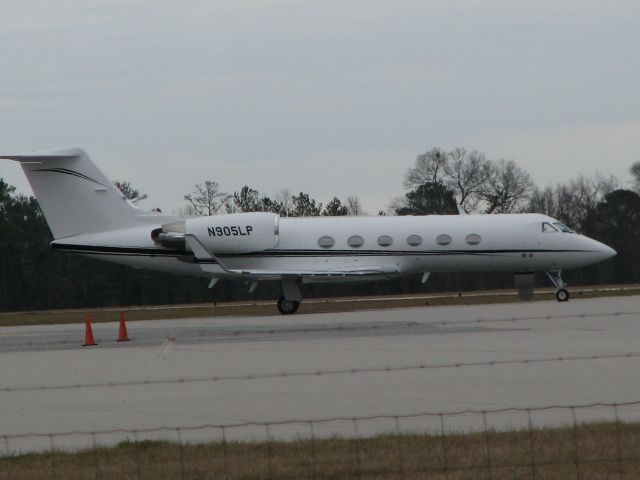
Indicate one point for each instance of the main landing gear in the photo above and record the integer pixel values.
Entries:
(562, 295)
(287, 307)
(291, 297)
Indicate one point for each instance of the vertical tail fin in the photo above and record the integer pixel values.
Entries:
(74, 195)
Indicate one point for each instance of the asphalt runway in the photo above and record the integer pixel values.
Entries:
(228, 370)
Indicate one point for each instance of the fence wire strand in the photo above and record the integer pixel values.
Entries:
(315, 373)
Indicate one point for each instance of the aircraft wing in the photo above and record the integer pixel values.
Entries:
(204, 256)
(337, 272)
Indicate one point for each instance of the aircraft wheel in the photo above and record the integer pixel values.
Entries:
(287, 307)
(562, 295)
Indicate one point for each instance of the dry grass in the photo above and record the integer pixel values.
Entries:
(161, 312)
(593, 451)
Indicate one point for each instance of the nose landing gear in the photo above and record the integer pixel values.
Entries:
(562, 294)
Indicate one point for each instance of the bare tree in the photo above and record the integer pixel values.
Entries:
(572, 201)
(466, 173)
(635, 175)
(581, 195)
(506, 187)
(206, 199)
(186, 211)
(557, 202)
(429, 168)
(479, 184)
(354, 207)
(544, 201)
(284, 200)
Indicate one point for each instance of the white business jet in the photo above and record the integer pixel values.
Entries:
(87, 214)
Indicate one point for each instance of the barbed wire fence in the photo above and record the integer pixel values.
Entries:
(600, 440)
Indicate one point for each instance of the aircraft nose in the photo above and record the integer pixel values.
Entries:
(604, 251)
(608, 251)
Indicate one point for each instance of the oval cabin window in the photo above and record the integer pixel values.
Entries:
(326, 242)
(414, 240)
(385, 240)
(443, 239)
(473, 239)
(355, 241)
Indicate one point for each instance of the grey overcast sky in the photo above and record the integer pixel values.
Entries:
(327, 97)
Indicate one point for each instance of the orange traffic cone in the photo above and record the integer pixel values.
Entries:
(88, 332)
(122, 333)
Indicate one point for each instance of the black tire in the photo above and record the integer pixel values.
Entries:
(562, 295)
(287, 307)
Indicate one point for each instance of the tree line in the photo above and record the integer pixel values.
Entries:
(32, 276)
(208, 199)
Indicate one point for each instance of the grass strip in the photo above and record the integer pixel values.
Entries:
(596, 450)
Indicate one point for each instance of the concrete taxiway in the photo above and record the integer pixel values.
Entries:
(216, 351)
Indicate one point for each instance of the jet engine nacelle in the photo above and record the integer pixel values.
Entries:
(236, 232)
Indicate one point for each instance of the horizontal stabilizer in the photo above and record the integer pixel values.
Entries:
(61, 154)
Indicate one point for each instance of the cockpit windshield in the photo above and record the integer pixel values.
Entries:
(555, 227)
(562, 227)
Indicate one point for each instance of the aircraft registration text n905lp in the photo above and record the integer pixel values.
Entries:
(229, 231)
(87, 214)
